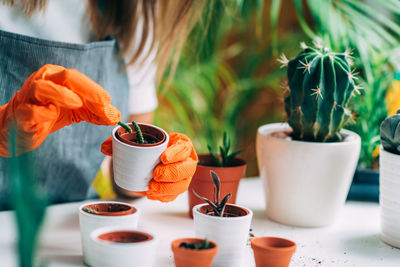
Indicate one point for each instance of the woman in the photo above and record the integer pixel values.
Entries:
(73, 62)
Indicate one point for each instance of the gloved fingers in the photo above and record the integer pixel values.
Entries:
(46, 92)
(178, 151)
(166, 192)
(175, 171)
(106, 147)
(36, 122)
(96, 100)
(180, 148)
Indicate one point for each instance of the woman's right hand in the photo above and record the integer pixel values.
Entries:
(51, 98)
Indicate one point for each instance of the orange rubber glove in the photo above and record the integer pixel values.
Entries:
(173, 175)
(51, 98)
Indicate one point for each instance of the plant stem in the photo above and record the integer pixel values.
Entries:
(138, 132)
(125, 126)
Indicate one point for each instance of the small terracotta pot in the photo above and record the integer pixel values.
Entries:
(185, 257)
(203, 185)
(125, 237)
(110, 209)
(272, 251)
(149, 132)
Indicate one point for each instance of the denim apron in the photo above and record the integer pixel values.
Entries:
(67, 161)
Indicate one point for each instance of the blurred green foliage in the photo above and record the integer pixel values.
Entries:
(228, 78)
(28, 201)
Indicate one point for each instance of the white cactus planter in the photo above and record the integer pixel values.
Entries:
(89, 222)
(389, 197)
(108, 253)
(230, 233)
(306, 183)
(133, 165)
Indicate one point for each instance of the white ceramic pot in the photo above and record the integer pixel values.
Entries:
(133, 165)
(306, 183)
(230, 233)
(89, 222)
(389, 197)
(109, 253)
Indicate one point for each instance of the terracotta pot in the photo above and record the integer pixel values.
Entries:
(185, 257)
(133, 164)
(125, 237)
(272, 251)
(203, 185)
(230, 233)
(122, 214)
(110, 209)
(149, 132)
(122, 247)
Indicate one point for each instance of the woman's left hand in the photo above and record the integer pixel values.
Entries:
(173, 175)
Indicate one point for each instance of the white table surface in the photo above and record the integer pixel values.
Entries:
(352, 241)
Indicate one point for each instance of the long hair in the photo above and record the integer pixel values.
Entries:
(165, 25)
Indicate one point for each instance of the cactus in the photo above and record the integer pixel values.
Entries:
(321, 83)
(138, 132)
(390, 133)
(125, 126)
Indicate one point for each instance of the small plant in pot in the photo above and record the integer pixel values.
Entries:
(93, 215)
(389, 179)
(193, 252)
(122, 247)
(226, 224)
(136, 152)
(307, 164)
(227, 165)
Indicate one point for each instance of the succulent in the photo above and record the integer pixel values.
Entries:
(225, 157)
(321, 83)
(199, 245)
(217, 206)
(138, 132)
(390, 133)
(125, 126)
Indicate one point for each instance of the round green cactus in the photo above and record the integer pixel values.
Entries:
(390, 133)
(321, 83)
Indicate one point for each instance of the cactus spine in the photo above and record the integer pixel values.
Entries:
(321, 83)
(390, 133)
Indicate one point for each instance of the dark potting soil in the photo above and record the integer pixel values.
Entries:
(194, 245)
(147, 140)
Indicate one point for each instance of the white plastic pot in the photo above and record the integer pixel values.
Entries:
(133, 165)
(306, 183)
(230, 233)
(89, 222)
(108, 253)
(389, 197)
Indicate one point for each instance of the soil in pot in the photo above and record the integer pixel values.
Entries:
(185, 256)
(109, 209)
(152, 136)
(272, 251)
(202, 183)
(125, 237)
(230, 211)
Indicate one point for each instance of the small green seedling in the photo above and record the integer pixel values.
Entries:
(217, 206)
(224, 158)
(199, 245)
(89, 210)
